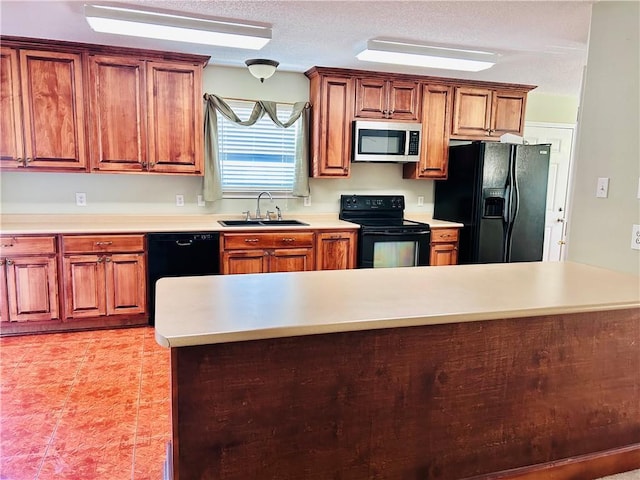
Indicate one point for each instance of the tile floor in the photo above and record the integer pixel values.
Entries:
(84, 405)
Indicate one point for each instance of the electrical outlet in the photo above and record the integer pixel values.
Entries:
(179, 200)
(81, 199)
(635, 237)
(420, 200)
(307, 201)
(602, 190)
(201, 202)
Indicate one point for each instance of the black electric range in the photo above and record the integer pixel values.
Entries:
(386, 238)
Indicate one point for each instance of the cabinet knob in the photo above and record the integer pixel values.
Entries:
(20, 160)
(108, 259)
(100, 259)
(286, 239)
(28, 160)
(10, 262)
(144, 164)
(152, 164)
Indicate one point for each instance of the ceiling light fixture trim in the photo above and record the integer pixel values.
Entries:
(429, 56)
(176, 27)
(262, 68)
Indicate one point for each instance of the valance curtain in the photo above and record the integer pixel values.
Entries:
(212, 170)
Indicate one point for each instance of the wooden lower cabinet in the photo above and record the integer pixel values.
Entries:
(28, 280)
(267, 252)
(336, 250)
(444, 246)
(104, 275)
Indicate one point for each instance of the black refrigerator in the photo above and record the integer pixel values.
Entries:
(499, 192)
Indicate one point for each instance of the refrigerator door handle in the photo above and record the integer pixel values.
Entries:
(513, 205)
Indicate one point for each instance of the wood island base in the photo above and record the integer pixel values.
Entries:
(445, 401)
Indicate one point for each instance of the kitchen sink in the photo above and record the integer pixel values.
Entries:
(260, 223)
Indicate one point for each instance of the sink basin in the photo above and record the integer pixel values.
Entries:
(260, 223)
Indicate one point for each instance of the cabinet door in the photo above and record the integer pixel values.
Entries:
(32, 288)
(444, 254)
(4, 306)
(471, 112)
(332, 98)
(53, 109)
(125, 284)
(176, 142)
(118, 114)
(436, 125)
(84, 286)
(336, 250)
(291, 260)
(11, 145)
(507, 113)
(245, 261)
(403, 100)
(371, 98)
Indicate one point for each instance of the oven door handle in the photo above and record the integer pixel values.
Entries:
(398, 234)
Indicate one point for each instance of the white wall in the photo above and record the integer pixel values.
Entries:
(608, 145)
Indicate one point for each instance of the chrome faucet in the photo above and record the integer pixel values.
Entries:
(258, 215)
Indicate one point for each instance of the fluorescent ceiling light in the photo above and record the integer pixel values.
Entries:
(405, 53)
(176, 27)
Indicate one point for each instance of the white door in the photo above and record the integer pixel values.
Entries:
(561, 137)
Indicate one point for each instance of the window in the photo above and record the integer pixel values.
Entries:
(258, 157)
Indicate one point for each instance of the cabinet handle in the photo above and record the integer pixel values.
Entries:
(108, 259)
(100, 260)
(335, 237)
(152, 164)
(100, 244)
(28, 160)
(288, 239)
(10, 262)
(144, 164)
(251, 240)
(20, 160)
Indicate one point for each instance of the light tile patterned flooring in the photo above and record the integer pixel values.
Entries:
(84, 405)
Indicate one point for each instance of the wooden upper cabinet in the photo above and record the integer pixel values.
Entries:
(118, 114)
(176, 139)
(45, 130)
(387, 99)
(436, 125)
(332, 99)
(487, 114)
(11, 144)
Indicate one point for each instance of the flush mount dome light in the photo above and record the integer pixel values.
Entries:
(430, 56)
(166, 25)
(262, 68)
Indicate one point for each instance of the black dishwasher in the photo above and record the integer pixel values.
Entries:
(182, 254)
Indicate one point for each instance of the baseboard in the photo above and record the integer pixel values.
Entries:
(584, 467)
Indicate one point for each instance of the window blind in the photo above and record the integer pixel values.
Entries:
(258, 157)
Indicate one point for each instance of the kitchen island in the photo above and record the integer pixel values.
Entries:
(413, 373)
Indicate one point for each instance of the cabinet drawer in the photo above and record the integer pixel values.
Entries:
(444, 235)
(243, 241)
(102, 243)
(19, 245)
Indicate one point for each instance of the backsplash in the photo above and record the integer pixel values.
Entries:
(155, 194)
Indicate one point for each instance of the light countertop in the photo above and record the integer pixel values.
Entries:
(72, 224)
(218, 309)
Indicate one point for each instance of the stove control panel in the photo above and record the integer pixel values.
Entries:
(371, 202)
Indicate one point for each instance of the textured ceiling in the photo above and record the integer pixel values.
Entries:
(541, 43)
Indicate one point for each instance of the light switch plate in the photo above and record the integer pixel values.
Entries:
(635, 237)
(179, 200)
(201, 202)
(420, 200)
(602, 190)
